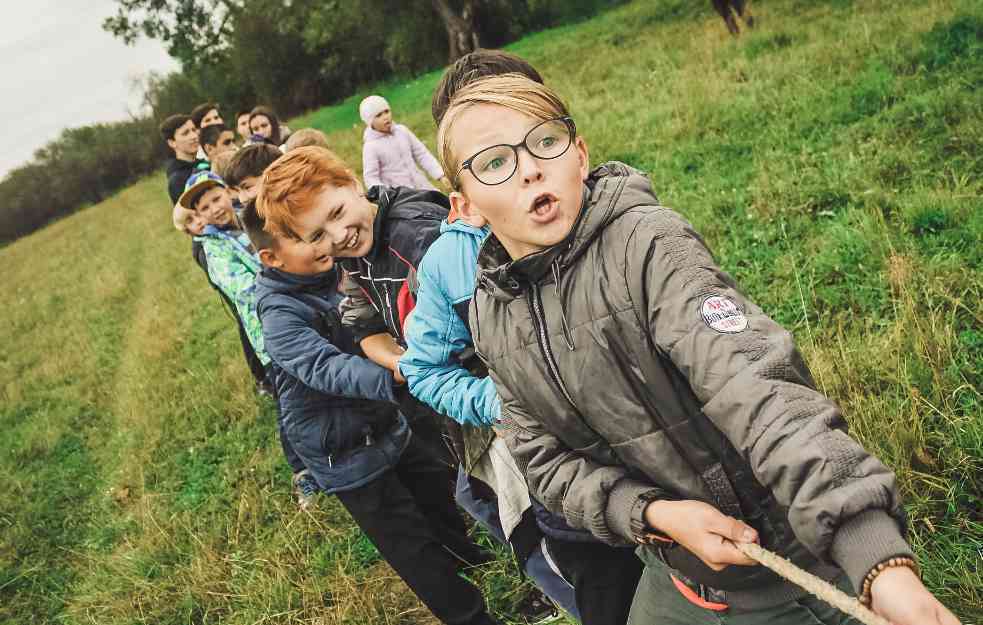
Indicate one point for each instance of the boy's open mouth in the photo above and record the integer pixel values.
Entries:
(545, 207)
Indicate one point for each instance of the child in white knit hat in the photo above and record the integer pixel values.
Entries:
(391, 153)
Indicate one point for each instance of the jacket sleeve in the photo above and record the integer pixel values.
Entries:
(234, 279)
(299, 350)
(434, 333)
(754, 385)
(602, 499)
(358, 313)
(371, 167)
(423, 157)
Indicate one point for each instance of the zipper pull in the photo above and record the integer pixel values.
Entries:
(330, 463)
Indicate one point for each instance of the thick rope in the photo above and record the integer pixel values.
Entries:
(818, 587)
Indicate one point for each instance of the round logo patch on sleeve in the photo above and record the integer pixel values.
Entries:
(723, 315)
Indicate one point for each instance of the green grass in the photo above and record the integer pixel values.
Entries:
(832, 159)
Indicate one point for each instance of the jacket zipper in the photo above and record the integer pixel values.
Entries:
(379, 295)
(539, 319)
(392, 316)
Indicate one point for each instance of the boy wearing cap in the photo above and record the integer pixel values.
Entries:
(232, 267)
(391, 154)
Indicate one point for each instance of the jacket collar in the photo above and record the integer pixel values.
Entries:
(277, 281)
(382, 197)
(371, 134)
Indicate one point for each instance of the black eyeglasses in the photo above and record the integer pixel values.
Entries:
(496, 164)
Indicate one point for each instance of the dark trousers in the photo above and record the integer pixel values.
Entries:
(604, 578)
(409, 515)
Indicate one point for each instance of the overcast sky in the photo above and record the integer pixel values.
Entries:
(60, 69)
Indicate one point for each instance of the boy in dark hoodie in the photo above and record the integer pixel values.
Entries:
(340, 411)
(181, 136)
(646, 398)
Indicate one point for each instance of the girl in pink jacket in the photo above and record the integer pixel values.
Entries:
(391, 153)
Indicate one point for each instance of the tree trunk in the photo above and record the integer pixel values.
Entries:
(462, 36)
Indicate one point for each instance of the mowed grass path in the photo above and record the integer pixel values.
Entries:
(832, 159)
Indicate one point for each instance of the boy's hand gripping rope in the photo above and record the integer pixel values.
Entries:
(818, 587)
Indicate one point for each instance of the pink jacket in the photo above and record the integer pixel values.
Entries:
(392, 159)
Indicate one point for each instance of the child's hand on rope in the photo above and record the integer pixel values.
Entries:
(702, 529)
(899, 596)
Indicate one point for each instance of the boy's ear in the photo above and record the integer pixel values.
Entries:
(171, 143)
(268, 258)
(466, 210)
(584, 155)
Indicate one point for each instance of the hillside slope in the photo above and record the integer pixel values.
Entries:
(833, 159)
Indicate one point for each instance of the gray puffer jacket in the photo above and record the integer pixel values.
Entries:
(628, 330)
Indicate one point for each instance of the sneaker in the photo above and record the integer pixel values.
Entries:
(537, 609)
(306, 488)
(265, 389)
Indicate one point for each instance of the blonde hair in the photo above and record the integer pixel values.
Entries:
(306, 137)
(220, 162)
(290, 185)
(181, 217)
(512, 91)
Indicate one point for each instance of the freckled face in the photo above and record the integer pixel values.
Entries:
(340, 222)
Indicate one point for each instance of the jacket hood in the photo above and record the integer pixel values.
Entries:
(459, 225)
(398, 203)
(610, 191)
(272, 280)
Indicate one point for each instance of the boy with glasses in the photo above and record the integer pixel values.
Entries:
(646, 398)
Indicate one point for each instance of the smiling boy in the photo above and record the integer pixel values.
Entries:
(646, 398)
(309, 211)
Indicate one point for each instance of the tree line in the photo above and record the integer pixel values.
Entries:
(291, 54)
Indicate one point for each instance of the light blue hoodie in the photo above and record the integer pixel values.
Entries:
(436, 332)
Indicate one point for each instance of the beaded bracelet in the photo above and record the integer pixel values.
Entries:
(877, 570)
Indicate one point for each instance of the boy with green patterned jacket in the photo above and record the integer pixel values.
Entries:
(232, 269)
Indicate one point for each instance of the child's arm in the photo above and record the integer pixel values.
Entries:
(434, 334)
(425, 159)
(755, 387)
(371, 166)
(609, 503)
(299, 350)
(383, 350)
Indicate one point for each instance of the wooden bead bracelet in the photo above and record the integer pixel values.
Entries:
(877, 570)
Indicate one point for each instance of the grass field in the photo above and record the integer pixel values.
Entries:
(833, 159)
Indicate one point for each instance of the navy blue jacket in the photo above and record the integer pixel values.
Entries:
(338, 409)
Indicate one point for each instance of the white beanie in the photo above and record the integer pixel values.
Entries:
(370, 107)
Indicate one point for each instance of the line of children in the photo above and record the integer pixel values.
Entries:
(645, 398)
(341, 411)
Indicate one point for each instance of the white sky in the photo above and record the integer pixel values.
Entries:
(59, 69)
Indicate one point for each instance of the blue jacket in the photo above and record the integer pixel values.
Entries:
(338, 409)
(436, 332)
